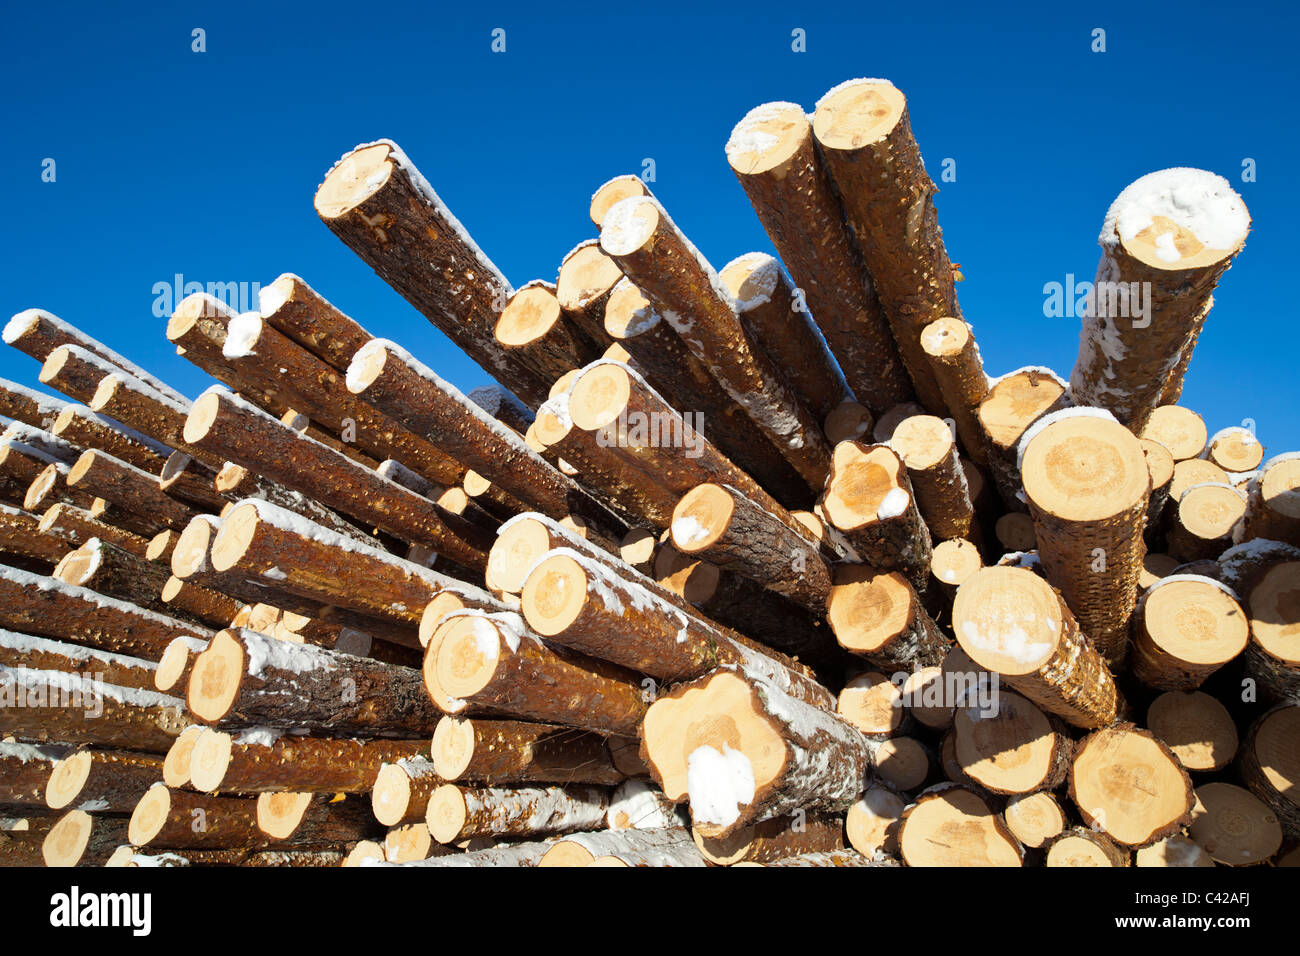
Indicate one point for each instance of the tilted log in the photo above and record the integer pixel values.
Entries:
(1167, 239)
(25, 771)
(41, 653)
(76, 373)
(147, 411)
(512, 751)
(535, 332)
(187, 599)
(172, 818)
(104, 567)
(239, 482)
(1015, 401)
(774, 839)
(80, 425)
(1271, 501)
(864, 133)
(402, 790)
(102, 781)
(655, 255)
(610, 192)
(80, 839)
(298, 311)
(586, 279)
(305, 818)
(1012, 622)
(1273, 655)
(503, 406)
(954, 358)
(70, 523)
(21, 534)
(379, 204)
(671, 847)
(128, 486)
(757, 754)
(29, 406)
(458, 812)
(928, 448)
(773, 154)
(245, 679)
(878, 615)
(1087, 485)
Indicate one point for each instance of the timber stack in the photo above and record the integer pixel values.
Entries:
(749, 566)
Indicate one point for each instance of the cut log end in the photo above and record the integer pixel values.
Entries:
(554, 595)
(528, 316)
(66, 842)
(614, 191)
(467, 657)
(280, 813)
(67, 779)
(954, 826)
(701, 517)
(354, 179)
(209, 759)
(447, 813)
(1008, 620)
(1082, 468)
(598, 396)
(858, 114)
(216, 678)
(149, 816)
(766, 138)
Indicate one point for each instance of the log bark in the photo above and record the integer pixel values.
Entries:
(503, 406)
(878, 615)
(774, 156)
(512, 752)
(1185, 628)
(379, 204)
(954, 360)
(302, 314)
(102, 781)
(1268, 767)
(81, 426)
(177, 819)
(76, 372)
(76, 525)
(29, 406)
(80, 839)
(928, 448)
(211, 608)
(1012, 622)
(25, 771)
(586, 279)
(1087, 485)
(774, 839)
(104, 567)
(245, 679)
(125, 485)
(306, 819)
(703, 736)
(460, 812)
(1162, 251)
(21, 535)
(23, 650)
(148, 412)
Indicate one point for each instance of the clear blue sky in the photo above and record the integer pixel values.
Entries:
(205, 164)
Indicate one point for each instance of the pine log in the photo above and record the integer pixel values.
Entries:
(952, 825)
(586, 279)
(1268, 766)
(503, 406)
(1087, 484)
(1166, 241)
(1016, 749)
(955, 363)
(1196, 727)
(80, 425)
(1012, 622)
(1185, 628)
(1233, 825)
(21, 534)
(1235, 449)
(511, 752)
(305, 818)
(491, 660)
(245, 679)
(637, 549)
(29, 406)
(128, 486)
(102, 781)
(1273, 501)
(719, 523)
(952, 562)
(1273, 655)
(1160, 466)
(50, 487)
(743, 751)
(928, 448)
(1015, 401)
(238, 482)
(80, 839)
(656, 256)
(113, 571)
(50, 705)
(402, 790)
(47, 607)
(871, 825)
(212, 608)
(176, 663)
(847, 421)
(773, 154)
(869, 497)
(1079, 846)
(1127, 783)
(76, 372)
(1173, 851)
(23, 650)
(878, 615)
(1034, 819)
(170, 818)
(774, 839)
(298, 311)
(379, 204)
(670, 847)
(535, 332)
(70, 523)
(147, 411)
(873, 704)
(1179, 429)
(25, 771)
(459, 812)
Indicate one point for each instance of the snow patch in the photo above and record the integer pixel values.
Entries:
(719, 784)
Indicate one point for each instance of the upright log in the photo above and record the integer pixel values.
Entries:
(954, 358)
(1015, 401)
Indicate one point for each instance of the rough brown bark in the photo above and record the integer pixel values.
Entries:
(102, 781)
(878, 615)
(460, 813)
(76, 525)
(23, 650)
(512, 751)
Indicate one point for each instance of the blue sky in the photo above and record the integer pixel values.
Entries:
(204, 164)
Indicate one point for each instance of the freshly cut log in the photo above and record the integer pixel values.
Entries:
(637, 804)
(869, 497)
(306, 818)
(635, 421)
(379, 204)
(402, 790)
(411, 842)
(778, 319)
(80, 425)
(106, 568)
(1154, 567)
(459, 812)
(176, 762)
(1196, 727)
(1127, 783)
(492, 661)
(38, 333)
(1087, 483)
(183, 476)
(29, 406)
(245, 679)
(582, 605)
(391, 379)
(1015, 401)
(1014, 750)
(21, 535)
(50, 705)
(1173, 851)
(491, 498)
(928, 697)
(512, 751)
(260, 540)
(298, 311)
(50, 486)
(261, 760)
(827, 859)
(873, 704)
(1012, 622)
(232, 428)
(1160, 466)
(236, 482)
(878, 615)
(1184, 629)
(620, 187)
(952, 825)
(1235, 449)
(170, 818)
(955, 363)
(1034, 818)
(1273, 501)
(33, 604)
(1079, 846)
(102, 781)
(952, 562)
(774, 156)
(1180, 430)
(1192, 472)
(1233, 825)
(586, 279)
(75, 372)
(70, 523)
(889, 420)
(461, 598)
(871, 825)
(660, 356)
(80, 839)
(1273, 655)
(147, 411)
(654, 254)
(39, 653)
(743, 751)
(25, 771)
(128, 486)
(1270, 767)
(928, 448)
(719, 523)
(903, 763)
(209, 607)
(637, 549)
(671, 847)
(173, 670)
(1170, 236)
(1203, 521)
(865, 136)
(847, 421)
(774, 839)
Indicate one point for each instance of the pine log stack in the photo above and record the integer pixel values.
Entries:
(750, 567)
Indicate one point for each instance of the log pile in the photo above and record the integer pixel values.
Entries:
(749, 566)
